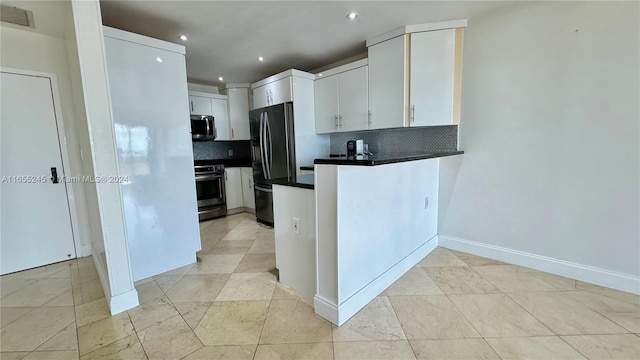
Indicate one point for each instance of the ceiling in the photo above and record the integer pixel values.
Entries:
(225, 38)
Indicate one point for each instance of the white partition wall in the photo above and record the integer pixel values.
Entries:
(148, 87)
(110, 250)
(374, 223)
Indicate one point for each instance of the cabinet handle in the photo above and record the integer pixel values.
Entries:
(225, 176)
(413, 113)
(191, 105)
(335, 120)
(369, 118)
(340, 121)
(232, 136)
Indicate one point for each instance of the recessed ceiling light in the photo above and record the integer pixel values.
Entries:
(320, 74)
(158, 59)
(184, 37)
(352, 16)
(220, 78)
(260, 58)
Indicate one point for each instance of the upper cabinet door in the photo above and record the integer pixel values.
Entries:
(239, 113)
(433, 57)
(199, 105)
(280, 91)
(326, 104)
(261, 97)
(354, 100)
(219, 112)
(387, 76)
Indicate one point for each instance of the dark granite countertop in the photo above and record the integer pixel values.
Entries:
(302, 181)
(373, 160)
(306, 167)
(229, 162)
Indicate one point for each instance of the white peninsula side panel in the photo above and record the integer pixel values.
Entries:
(148, 86)
(295, 245)
(374, 224)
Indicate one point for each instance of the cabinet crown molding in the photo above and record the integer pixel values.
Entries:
(408, 29)
(342, 68)
(206, 94)
(236, 86)
(282, 75)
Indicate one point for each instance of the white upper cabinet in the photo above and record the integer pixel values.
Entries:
(272, 93)
(199, 105)
(341, 99)
(354, 99)
(387, 90)
(280, 91)
(260, 97)
(432, 78)
(415, 75)
(327, 104)
(221, 119)
(238, 104)
(215, 105)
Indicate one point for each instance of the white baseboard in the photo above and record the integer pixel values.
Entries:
(590, 274)
(124, 301)
(325, 308)
(117, 303)
(339, 314)
(85, 250)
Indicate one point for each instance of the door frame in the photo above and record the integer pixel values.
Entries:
(62, 143)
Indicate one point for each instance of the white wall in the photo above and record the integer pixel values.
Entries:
(32, 51)
(111, 251)
(550, 127)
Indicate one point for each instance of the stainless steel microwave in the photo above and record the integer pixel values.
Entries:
(203, 127)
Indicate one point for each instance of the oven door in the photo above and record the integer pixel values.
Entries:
(210, 190)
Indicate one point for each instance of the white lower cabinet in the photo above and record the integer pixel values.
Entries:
(248, 194)
(233, 188)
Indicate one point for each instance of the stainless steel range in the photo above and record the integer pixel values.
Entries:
(211, 192)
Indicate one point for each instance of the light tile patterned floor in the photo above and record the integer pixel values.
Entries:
(229, 306)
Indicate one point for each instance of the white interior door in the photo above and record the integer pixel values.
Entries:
(34, 213)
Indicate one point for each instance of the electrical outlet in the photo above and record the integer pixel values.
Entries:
(426, 202)
(295, 225)
(230, 152)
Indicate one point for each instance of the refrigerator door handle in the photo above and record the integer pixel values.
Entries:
(262, 154)
(268, 131)
(260, 188)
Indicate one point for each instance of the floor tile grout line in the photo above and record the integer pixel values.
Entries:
(137, 336)
(528, 312)
(576, 349)
(264, 323)
(585, 305)
(600, 312)
(33, 308)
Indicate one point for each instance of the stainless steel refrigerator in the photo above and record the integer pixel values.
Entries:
(273, 153)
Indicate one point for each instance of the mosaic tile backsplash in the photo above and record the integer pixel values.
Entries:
(213, 150)
(416, 140)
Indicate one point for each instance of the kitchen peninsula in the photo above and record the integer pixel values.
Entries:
(364, 223)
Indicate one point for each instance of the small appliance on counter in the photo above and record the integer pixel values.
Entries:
(355, 147)
(203, 128)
